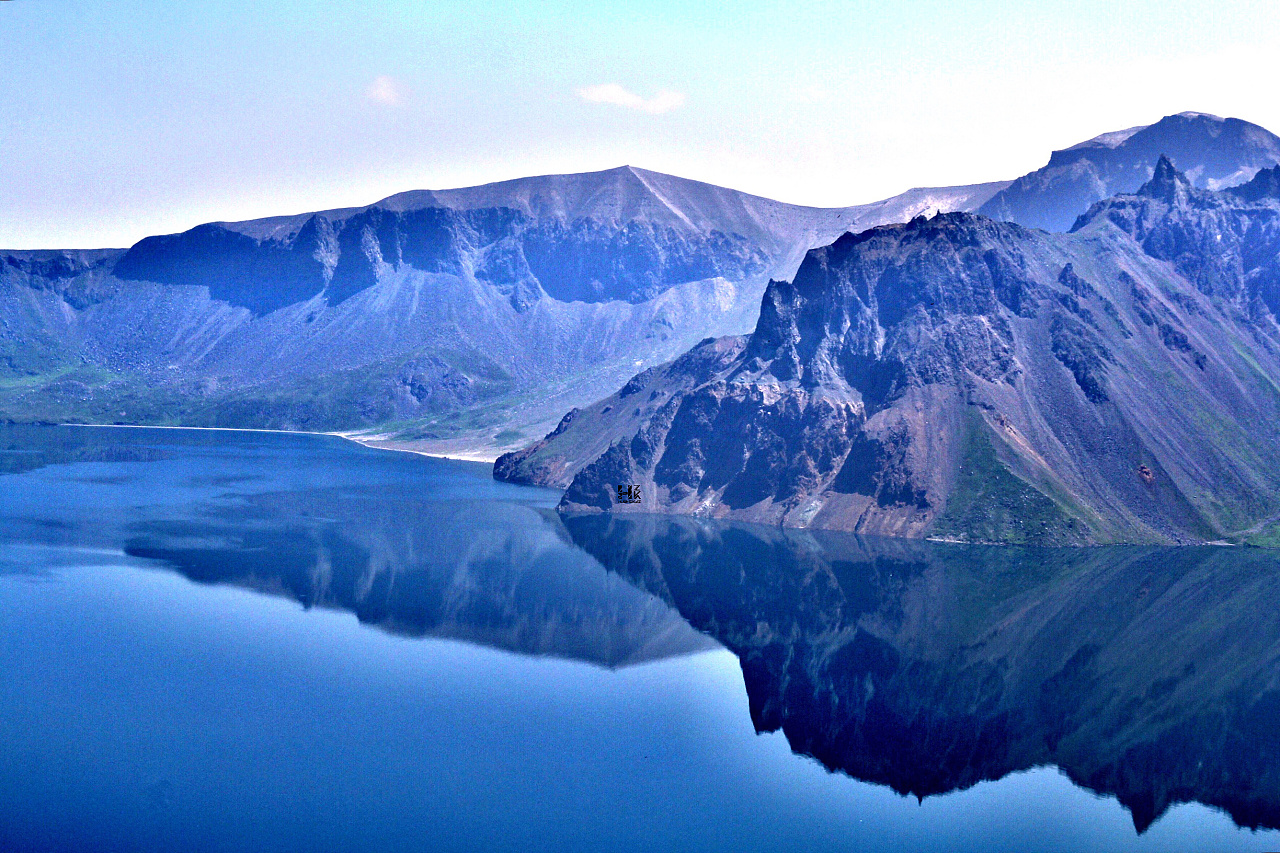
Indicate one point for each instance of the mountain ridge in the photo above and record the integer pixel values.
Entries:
(1224, 151)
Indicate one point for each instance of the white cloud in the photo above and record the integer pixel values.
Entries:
(387, 91)
(814, 94)
(612, 93)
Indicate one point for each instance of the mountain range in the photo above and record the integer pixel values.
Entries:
(459, 317)
(469, 320)
(974, 380)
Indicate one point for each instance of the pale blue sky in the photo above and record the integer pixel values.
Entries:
(133, 117)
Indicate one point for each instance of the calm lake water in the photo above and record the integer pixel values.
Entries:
(217, 641)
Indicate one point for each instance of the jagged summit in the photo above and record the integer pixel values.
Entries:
(1167, 183)
(1226, 244)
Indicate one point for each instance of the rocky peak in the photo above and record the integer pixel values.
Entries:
(1167, 184)
(1227, 244)
(867, 312)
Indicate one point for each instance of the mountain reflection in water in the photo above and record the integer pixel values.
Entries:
(1149, 674)
(415, 546)
(490, 573)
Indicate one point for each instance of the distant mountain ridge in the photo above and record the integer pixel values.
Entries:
(622, 234)
(968, 379)
(1213, 152)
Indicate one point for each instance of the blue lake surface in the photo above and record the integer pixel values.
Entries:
(221, 641)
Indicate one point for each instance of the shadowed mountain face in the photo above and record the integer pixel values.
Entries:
(1147, 674)
(587, 259)
(1214, 153)
(976, 380)
(622, 235)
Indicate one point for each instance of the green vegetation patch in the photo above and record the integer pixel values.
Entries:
(31, 364)
(991, 504)
(1267, 536)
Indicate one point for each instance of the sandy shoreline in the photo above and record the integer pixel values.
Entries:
(383, 444)
(370, 442)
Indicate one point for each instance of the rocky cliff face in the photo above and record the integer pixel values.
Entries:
(962, 378)
(1142, 673)
(1214, 153)
(588, 259)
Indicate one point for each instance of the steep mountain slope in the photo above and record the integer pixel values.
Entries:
(469, 317)
(976, 380)
(1143, 673)
(1213, 152)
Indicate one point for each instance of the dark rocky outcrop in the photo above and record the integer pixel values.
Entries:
(964, 378)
